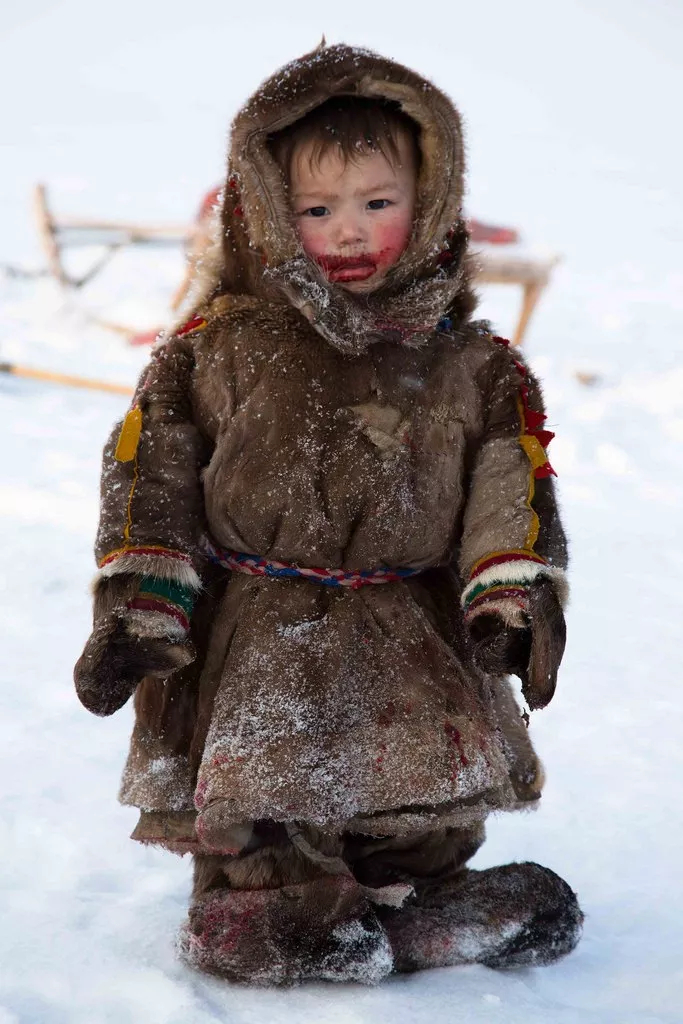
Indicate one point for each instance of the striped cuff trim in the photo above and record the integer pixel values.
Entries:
(146, 622)
(169, 592)
(504, 574)
(150, 604)
(510, 603)
(151, 561)
(515, 571)
(159, 600)
(497, 593)
(503, 557)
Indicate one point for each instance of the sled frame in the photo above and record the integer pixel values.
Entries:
(531, 273)
(56, 235)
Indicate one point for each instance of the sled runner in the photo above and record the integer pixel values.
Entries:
(66, 379)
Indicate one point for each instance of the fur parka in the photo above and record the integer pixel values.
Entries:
(296, 422)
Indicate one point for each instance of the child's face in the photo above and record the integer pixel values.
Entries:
(355, 218)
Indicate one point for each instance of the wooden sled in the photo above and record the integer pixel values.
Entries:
(66, 379)
(58, 234)
(532, 273)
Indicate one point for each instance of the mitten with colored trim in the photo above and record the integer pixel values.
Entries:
(136, 633)
(522, 633)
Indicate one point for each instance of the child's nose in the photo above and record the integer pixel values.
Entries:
(350, 231)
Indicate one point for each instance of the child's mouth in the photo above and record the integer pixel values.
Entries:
(342, 269)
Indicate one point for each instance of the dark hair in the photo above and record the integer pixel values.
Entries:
(354, 125)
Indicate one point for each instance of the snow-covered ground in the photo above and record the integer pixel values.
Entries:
(573, 135)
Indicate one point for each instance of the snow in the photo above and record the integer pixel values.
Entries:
(572, 135)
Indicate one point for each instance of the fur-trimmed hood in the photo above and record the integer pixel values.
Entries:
(257, 251)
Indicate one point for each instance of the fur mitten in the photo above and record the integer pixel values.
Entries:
(524, 635)
(128, 643)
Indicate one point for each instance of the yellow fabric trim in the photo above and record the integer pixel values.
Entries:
(129, 506)
(529, 445)
(534, 450)
(127, 451)
(535, 524)
(129, 438)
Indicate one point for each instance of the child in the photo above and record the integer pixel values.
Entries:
(328, 533)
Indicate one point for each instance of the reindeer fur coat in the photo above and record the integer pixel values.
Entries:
(297, 422)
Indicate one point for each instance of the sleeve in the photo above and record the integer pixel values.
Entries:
(512, 534)
(152, 508)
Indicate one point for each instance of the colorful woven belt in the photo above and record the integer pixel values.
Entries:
(252, 565)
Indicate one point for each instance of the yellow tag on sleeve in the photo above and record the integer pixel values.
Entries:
(129, 438)
(534, 450)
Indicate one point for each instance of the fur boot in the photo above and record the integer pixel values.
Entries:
(320, 930)
(518, 915)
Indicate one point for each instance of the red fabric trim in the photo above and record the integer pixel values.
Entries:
(510, 556)
(151, 604)
(544, 436)
(192, 325)
(534, 420)
(142, 550)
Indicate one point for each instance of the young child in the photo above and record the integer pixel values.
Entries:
(328, 533)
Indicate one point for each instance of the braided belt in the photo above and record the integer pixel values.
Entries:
(252, 565)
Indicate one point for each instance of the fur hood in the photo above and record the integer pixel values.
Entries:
(258, 253)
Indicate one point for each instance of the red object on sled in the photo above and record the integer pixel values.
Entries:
(207, 204)
(491, 233)
(145, 337)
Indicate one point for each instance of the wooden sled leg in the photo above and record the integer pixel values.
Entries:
(182, 290)
(531, 295)
(48, 235)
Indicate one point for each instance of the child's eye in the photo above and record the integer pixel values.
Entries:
(378, 204)
(315, 211)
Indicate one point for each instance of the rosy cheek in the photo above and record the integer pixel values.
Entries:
(391, 240)
(312, 236)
